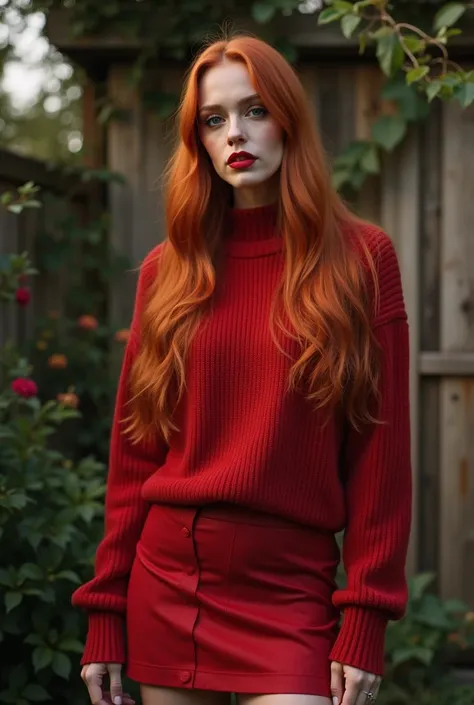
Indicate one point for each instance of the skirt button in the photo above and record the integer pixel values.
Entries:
(185, 677)
(185, 531)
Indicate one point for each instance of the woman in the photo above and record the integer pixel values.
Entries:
(239, 447)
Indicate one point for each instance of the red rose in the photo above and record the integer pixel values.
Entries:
(22, 296)
(24, 387)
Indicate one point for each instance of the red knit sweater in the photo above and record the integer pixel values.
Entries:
(244, 440)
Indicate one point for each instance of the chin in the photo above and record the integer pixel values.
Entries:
(241, 180)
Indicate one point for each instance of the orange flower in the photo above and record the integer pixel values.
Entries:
(68, 399)
(57, 361)
(53, 314)
(122, 336)
(41, 345)
(88, 322)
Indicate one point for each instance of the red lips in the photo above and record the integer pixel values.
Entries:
(240, 156)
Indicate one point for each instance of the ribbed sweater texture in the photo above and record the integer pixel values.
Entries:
(246, 440)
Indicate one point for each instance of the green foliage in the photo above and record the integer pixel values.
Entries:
(418, 70)
(51, 511)
(73, 344)
(421, 648)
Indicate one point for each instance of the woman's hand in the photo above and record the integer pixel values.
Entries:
(93, 676)
(351, 685)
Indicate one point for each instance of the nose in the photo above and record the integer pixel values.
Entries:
(235, 134)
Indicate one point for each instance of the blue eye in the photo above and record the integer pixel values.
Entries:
(258, 112)
(210, 123)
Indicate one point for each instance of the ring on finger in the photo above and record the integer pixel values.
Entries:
(369, 695)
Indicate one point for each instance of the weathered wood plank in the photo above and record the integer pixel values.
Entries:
(446, 364)
(457, 334)
(125, 147)
(400, 218)
(430, 238)
(334, 99)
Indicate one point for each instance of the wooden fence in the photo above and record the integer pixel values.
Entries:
(18, 233)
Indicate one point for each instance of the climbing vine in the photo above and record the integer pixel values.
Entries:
(417, 67)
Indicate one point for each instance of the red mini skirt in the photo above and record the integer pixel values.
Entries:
(228, 599)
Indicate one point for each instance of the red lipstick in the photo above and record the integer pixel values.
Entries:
(241, 160)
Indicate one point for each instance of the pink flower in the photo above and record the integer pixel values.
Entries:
(24, 387)
(22, 296)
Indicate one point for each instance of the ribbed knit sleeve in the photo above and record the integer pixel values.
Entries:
(378, 491)
(104, 597)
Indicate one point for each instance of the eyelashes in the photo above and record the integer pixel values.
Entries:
(257, 112)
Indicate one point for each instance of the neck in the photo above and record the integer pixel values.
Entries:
(253, 231)
(257, 196)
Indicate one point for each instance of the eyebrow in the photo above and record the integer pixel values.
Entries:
(248, 99)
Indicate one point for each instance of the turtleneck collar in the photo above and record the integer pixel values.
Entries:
(252, 232)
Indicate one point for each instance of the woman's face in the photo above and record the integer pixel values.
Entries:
(243, 141)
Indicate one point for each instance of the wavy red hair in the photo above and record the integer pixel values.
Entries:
(324, 287)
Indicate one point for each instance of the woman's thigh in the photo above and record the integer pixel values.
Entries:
(283, 699)
(150, 695)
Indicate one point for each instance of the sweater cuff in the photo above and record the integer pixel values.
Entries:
(361, 640)
(105, 641)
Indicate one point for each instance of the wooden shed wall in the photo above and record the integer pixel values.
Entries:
(424, 199)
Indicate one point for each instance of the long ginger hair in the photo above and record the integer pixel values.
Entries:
(324, 288)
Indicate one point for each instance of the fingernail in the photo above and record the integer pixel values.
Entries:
(335, 701)
(118, 700)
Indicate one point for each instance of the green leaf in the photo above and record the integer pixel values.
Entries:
(411, 103)
(69, 575)
(419, 584)
(61, 665)
(390, 53)
(417, 74)
(71, 645)
(455, 606)
(340, 177)
(6, 578)
(370, 162)
(329, 15)
(31, 571)
(12, 600)
(414, 44)
(431, 613)
(349, 24)
(433, 90)
(342, 6)
(34, 639)
(36, 693)
(409, 653)
(351, 154)
(263, 12)
(449, 14)
(465, 94)
(42, 657)
(388, 131)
